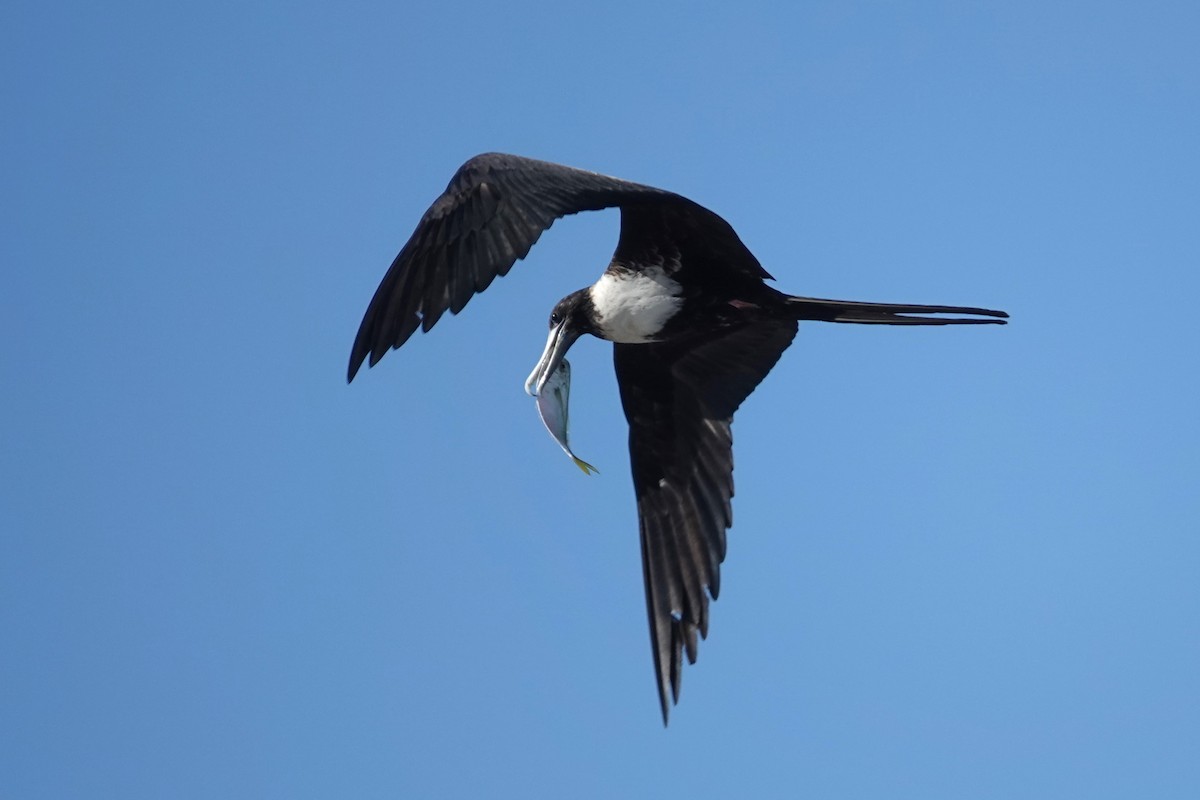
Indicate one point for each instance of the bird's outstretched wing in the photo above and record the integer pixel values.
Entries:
(679, 399)
(492, 212)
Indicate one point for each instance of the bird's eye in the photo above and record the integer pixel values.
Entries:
(555, 318)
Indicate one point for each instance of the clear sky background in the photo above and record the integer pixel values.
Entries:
(964, 562)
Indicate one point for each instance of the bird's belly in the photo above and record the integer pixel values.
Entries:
(634, 307)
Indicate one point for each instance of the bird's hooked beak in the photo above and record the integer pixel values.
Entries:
(562, 336)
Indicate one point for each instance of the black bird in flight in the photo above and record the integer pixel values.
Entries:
(694, 330)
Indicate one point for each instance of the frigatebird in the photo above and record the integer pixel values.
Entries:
(694, 327)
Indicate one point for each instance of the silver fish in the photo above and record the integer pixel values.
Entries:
(552, 408)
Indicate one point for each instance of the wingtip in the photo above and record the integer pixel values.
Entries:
(352, 369)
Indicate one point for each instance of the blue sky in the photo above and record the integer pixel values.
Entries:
(964, 561)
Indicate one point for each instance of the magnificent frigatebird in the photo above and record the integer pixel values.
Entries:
(694, 330)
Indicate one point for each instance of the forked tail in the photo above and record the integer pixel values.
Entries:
(816, 308)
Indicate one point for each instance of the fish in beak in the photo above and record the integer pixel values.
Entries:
(552, 399)
(562, 336)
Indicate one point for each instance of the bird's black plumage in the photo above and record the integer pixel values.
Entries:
(679, 398)
(492, 212)
(713, 331)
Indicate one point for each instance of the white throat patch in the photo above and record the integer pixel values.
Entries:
(633, 307)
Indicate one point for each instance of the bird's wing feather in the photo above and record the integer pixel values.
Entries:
(679, 399)
(688, 235)
(492, 212)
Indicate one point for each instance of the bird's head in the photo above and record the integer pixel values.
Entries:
(571, 318)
